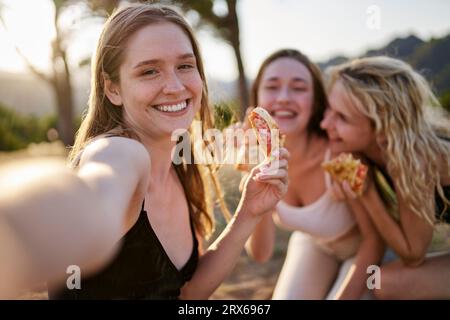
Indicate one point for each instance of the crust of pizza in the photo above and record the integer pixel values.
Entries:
(346, 168)
(263, 126)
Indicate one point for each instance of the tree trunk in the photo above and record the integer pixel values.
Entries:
(64, 101)
(62, 87)
(234, 40)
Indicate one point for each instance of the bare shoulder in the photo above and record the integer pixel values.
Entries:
(116, 167)
(116, 150)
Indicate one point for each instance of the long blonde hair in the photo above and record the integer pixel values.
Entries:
(397, 100)
(103, 117)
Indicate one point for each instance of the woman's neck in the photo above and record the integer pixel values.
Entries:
(375, 154)
(302, 145)
(161, 160)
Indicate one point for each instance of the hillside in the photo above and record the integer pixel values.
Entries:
(431, 58)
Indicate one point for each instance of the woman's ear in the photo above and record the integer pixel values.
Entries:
(381, 140)
(112, 91)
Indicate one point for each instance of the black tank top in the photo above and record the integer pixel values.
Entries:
(443, 210)
(141, 270)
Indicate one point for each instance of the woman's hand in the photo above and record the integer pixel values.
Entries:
(342, 191)
(266, 184)
(241, 146)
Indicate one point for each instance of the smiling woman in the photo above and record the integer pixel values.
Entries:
(147, 82)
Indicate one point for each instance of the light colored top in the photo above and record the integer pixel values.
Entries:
(326, 220)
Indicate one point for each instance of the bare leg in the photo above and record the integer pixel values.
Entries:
(308, 272)
(431, 280)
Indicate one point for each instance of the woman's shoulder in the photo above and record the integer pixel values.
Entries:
(115, 148)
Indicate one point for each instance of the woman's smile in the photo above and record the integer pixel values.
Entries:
(174, 108)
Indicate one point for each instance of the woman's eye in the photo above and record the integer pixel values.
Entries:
(271, 87)
(150, 72)
(186, 66)
(299, 89)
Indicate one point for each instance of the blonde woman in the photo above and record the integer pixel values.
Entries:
(147, 82)
(378, 109)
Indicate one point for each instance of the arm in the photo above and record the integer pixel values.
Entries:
(261, 193)
(261, 242)
(409, 238)
(56, 217)
(370, 252)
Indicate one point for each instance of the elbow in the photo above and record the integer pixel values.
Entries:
(414, 257)
(258, 253)
(261, 256)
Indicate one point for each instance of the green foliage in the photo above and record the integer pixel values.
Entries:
(225, 114)
(17, 131)
(445, 100)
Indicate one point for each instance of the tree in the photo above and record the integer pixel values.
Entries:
(58, 77)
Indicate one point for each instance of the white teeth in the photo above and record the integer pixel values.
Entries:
(284, 113)
(172, 108)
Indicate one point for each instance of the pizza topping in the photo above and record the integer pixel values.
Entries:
(346, 168)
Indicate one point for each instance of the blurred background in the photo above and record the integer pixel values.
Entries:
(46, 47)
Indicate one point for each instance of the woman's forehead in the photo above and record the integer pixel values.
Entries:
(159, 41)
(342, 100)
(286, 68)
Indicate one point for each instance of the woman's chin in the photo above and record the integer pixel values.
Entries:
(337, 146)
(290, 130)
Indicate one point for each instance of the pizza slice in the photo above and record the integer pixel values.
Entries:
(346, 168)
(265, 129)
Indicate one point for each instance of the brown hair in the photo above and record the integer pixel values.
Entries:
(103, 117)
(320, 102)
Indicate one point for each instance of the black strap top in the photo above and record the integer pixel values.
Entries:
(443, 211)
(141, 270)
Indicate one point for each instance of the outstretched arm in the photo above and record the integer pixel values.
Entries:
(56, 217)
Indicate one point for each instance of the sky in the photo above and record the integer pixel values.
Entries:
(319, 28)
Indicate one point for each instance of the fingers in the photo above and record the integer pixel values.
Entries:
(273, 166)
(342, 191)
(283, 153)
(280, 174)
(337, 193)
(275, 157)
(278, 161)
(281, 185)
(350, 194)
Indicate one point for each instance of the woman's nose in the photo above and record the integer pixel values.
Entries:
(283, 95)
(325, 123)
(173, 84)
